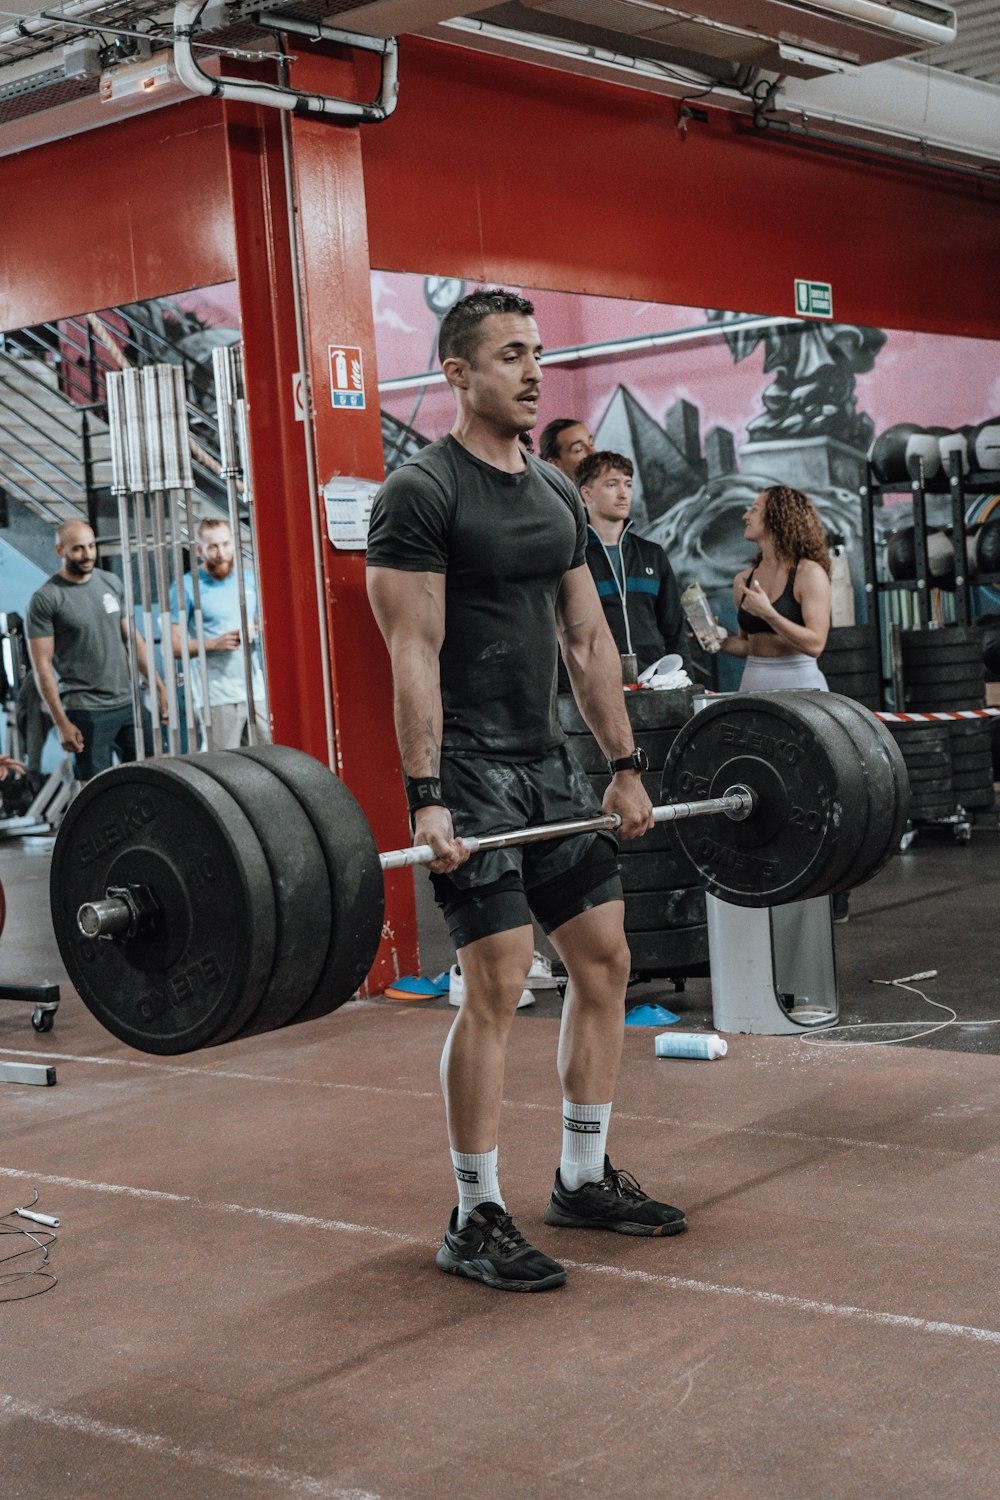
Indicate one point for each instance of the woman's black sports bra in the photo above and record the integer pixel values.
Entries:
(786, 604)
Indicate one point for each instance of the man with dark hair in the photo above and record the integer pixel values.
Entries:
(476, 575)
(634, 578)
(563, 443)
(77, 637)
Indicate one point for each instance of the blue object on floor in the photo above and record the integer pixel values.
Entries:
(442, 981)
(413, 985)
(650, 1015)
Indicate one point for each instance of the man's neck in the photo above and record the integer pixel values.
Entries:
(75, 577)
(610, 532)
(501, 450)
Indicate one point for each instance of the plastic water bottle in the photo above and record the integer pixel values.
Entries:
(694, 602)
(841, 588)
(690, 1044)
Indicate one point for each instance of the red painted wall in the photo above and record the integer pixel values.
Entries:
(117, 215)
(497, 170)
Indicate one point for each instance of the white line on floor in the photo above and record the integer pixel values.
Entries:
(152, 1442)
(712, 1127)
(647, 1278)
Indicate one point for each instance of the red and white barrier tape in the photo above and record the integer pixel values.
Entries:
(958, 713)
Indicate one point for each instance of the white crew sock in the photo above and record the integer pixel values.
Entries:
(585, 1135)
(477, 1182)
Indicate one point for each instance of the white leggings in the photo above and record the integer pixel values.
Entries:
(781, 674)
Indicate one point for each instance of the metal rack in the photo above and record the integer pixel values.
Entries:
(958, 486)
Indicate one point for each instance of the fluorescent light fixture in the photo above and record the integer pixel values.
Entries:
(822, 62)
(148, 76)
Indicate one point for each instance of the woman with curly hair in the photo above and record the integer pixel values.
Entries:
(783, 599)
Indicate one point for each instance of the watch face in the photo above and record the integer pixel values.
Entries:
(641, 760)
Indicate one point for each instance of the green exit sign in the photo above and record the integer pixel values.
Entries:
(813, 299)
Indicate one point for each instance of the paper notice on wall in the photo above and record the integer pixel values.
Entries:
(348, 504)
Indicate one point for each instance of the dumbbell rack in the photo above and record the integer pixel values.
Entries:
(959, 486)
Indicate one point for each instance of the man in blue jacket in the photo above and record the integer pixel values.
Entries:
(635, 581)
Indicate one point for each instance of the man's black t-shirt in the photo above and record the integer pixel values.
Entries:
(505, 542)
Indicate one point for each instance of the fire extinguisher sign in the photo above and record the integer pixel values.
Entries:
(347, 376)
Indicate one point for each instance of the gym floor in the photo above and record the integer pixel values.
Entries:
(247, 1302)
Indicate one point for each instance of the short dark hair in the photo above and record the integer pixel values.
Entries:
(460, 334)
(595, 464)
(548, 442)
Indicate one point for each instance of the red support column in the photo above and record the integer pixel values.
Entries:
(334, 260)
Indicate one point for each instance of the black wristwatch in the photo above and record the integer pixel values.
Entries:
(637, 761)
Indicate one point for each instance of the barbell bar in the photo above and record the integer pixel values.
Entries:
(123, 911)
(203, 898)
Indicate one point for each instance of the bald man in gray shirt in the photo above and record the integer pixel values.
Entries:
(77, 637)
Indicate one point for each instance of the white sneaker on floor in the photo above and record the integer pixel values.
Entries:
(456, 990)
(540, 974)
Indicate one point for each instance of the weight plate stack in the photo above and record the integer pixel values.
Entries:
(943, 668)
(830, 800)
(851, 665)
(255, 888)
(664, 906)
(926, 754)
(198, 975)
(972, 763)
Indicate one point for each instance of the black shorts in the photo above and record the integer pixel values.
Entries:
(554, 879)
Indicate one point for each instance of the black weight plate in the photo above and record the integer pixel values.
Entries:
(918, 736)
(932, 812)
(647, 911)
(355, 874)
(852, 684)
(939, 675)
(924, 760)
(888, 787)
(968, 774)
(972, 765)
(655, 742)
(808, 783)
(976, 800)
(939, 696)
(647, 709)
(930, 791)
(657, 870)
(955, 705)
(298, 876)
(941, 637)
(959, 729)
(673, 952)
(948, 658)
(850, 638)
(197, 979)
(928, 773)
(841, 662)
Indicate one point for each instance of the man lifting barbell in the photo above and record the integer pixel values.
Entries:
(476, 574)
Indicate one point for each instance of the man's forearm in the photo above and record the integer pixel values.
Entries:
(417, 711)
(595, 674)
(46, 681)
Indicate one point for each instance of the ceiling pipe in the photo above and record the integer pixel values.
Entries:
(275, 96)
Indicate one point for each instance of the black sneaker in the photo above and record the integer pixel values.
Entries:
(616, 1202)
(493, 1250)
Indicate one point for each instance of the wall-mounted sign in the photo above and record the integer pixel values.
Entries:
(298, 397)
(813, 299)
(348, 503)
(347, 376)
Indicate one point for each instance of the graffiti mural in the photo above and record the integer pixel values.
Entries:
(710, 405)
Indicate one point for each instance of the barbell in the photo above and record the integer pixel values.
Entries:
(198, 899)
